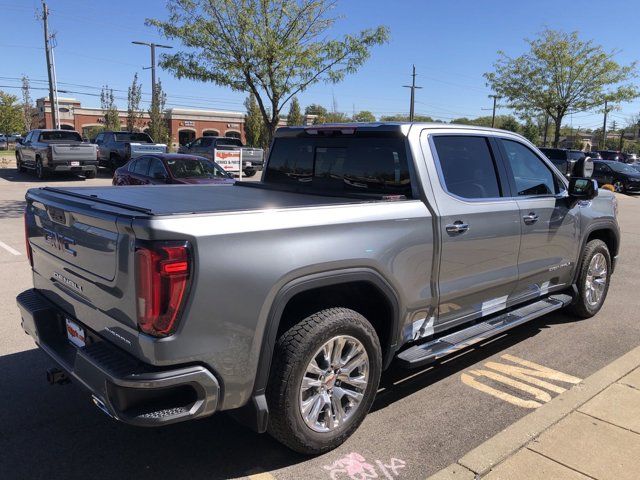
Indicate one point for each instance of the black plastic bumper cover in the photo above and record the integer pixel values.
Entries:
(122, 386)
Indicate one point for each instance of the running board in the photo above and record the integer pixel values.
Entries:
(425, 353)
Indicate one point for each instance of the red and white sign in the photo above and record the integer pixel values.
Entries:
(230, 160)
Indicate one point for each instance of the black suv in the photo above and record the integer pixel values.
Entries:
(623, 177)
(569, 162)
(612, 155)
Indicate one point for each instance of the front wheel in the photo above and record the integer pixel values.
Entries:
(323, 380)
(593, 279)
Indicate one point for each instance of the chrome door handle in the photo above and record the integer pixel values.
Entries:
(530, 219)
(457, 227)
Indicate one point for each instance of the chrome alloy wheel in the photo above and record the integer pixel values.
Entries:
(596, 280)
(618, 186)
(334, 383)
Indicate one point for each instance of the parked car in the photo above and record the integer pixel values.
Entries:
(252, 158)
(594, 155)
(170, 168)
(612, 155)
(117, 148)
(4, 143)
(52, 151)
(631, 157)
(622, 176)
(152, 298)
(636, 166)
(570, 162)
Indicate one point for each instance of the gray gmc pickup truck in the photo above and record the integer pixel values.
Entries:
(284, 300)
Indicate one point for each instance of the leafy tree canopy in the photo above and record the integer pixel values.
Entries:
(11, 118)
(271, 48)
(559, 75)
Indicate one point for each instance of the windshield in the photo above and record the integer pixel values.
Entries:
(132, 137)
(62, 135)
(195, 168)
(622, 168)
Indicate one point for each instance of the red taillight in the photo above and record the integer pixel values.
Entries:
(162, 277)
(26, 238)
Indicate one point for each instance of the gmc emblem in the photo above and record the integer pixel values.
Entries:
(59, 241)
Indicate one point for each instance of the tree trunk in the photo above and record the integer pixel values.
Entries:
(556, 135)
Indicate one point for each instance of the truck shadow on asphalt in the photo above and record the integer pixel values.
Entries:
(13, 175)
(55, 432)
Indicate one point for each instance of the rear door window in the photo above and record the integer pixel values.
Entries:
(467, 166)
(350, 165)
(156, 167)
(142, 166)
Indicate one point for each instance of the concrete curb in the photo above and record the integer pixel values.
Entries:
(486, 456)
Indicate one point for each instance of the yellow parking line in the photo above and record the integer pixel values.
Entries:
(262, 476)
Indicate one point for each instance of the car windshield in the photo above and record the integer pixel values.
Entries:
(133, 137)
(622, 167)
(195, 168)
(60, 136)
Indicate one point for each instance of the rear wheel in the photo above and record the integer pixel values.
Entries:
(249, 173)
(618, 186)
(113, 162)
(593, 279)
(90, 174)
(19, 165)
(323, 380)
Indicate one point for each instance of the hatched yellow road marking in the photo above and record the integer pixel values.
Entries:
(524, 371)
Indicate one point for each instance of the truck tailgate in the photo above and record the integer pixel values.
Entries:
(73, 152)
(138, 149)
(82, 259)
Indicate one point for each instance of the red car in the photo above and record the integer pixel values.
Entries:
(170, 168)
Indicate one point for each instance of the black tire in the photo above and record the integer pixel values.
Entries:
(90, 174)
(294, 350)
(619, 186)
(581, 307)
(113, 162)
(249, 173)
(41, 173)
(21, 168)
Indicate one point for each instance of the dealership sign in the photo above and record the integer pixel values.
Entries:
(230, 160)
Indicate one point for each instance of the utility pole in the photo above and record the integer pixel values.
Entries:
(546, 128)
(153, 47)
(413, 94)
(493, 115)
(604, 126)
(53, 98)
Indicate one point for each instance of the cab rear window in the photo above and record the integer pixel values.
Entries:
(351, 165)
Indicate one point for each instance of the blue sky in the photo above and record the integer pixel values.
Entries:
(452, 43)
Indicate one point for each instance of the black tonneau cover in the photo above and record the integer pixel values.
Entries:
(185, 199)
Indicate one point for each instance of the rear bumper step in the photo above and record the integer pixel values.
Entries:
(426, 353)
(121, 386)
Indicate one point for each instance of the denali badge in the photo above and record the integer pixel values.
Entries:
(67, 282)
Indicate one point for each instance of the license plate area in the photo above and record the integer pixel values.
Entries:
(75, 333)
(75, 164)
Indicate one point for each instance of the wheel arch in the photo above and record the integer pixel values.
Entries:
(608, 232)
(290, 303)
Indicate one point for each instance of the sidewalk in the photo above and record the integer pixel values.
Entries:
(590, 431)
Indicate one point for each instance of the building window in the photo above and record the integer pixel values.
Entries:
(210, 133)
(232, 134)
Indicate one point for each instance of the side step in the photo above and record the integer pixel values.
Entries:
(425, 353)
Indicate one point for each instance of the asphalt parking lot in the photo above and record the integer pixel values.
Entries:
(421, 420)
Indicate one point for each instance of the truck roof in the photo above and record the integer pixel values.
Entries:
(383, 128)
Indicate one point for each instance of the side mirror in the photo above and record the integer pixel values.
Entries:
(583, 188)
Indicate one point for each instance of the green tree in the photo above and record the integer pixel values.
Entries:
(364, 116)
(274, 49)
(318, 111)
(530, 131)
(253, 123)
(158, 128)
(561, 74)
(109, 109)
(134, 96)
(405, 118)
(294, 117)
(509, 123)
(334, 117)
(11, 119)
(29, 112)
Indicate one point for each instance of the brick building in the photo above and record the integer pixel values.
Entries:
(184, 124)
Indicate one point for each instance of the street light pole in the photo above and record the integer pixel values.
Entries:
(153, 47)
